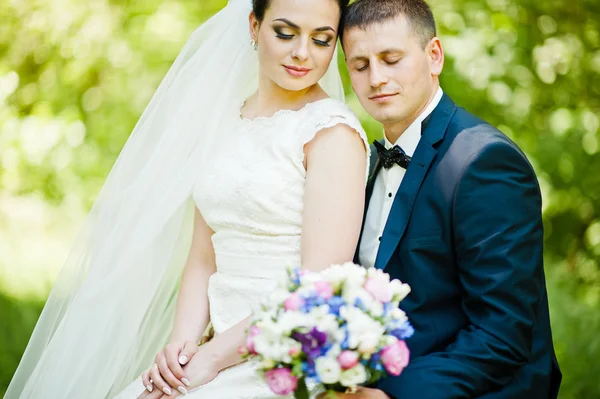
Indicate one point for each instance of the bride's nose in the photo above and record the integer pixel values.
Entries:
(300, 51)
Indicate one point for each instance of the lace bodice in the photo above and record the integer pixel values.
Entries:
(252, 198)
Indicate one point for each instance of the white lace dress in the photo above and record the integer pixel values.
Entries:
(253, 200)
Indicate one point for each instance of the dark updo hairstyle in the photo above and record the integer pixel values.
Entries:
(259, 7)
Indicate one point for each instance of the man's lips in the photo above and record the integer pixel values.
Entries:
(382, 97)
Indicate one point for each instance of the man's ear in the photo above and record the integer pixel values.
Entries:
(435, 52)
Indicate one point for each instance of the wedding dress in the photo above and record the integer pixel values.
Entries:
(252, 198)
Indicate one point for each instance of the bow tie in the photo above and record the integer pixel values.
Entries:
(394, 155)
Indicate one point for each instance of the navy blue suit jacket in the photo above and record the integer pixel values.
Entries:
(465, 231)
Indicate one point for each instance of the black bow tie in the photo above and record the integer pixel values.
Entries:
(394, 155)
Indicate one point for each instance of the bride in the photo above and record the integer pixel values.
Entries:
(245, 162)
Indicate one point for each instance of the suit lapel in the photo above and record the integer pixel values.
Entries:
(374, 167)
(411, 183)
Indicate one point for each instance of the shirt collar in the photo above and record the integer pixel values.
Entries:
(409, 140)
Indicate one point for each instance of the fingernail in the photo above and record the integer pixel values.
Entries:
(149, 388)
(183, 359)
(182, 390)
(167, 390)
(186, 381)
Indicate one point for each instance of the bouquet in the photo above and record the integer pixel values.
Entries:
(332, 330)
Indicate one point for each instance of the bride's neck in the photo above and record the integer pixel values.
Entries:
(271, 98)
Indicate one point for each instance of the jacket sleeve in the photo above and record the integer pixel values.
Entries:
(498, 241)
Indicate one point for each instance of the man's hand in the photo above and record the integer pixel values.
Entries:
(361, 393)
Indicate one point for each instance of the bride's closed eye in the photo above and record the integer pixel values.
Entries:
(325, 42)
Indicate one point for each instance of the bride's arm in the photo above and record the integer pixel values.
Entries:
(191, 313)
(333, 209)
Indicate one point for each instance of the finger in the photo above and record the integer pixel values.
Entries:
(177, 371)
(146, 381)
(169, 377)
(188, 351)
(156, 395)
(159, 382)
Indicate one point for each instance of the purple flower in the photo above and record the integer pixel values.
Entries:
(281, 381)
(312, 342)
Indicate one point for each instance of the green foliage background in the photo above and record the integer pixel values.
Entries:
(75, 76)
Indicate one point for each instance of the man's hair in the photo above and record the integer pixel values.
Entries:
(365, 13)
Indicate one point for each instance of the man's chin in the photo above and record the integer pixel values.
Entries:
(385, 116)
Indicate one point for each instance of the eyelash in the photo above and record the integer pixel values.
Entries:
(289, 37)
(387, 62)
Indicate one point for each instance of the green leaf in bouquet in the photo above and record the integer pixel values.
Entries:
(297, 369)
(301, 391)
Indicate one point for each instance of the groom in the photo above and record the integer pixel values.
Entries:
(454, 210)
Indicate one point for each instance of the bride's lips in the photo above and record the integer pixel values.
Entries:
(380, 98)
(295, 71)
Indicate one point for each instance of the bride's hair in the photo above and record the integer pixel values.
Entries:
(259, 7)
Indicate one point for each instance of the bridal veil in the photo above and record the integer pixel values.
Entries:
(111, 308)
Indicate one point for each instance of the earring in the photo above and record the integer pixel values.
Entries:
(254, 44)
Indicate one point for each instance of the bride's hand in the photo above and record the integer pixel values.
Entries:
(201, 370)
(167, 373)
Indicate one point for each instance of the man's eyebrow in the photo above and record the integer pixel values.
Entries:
(358, 58)
(384, 52)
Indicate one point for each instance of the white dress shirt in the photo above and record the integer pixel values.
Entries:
(386, 185)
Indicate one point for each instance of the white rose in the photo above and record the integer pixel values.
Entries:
(398, 314)
(363, 328)
(328, 369)
(355, 276)
(291, 320)
(277, 297)
(355, 376)
(335, 274)
(376, 308)
(277, 350)
(399, 290)
(369, 343)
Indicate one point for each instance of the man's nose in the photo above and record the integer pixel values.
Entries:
(376, 76)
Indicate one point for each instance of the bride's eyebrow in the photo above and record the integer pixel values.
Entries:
(294, 26)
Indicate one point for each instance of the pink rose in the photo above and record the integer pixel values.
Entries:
(348, 359)
(293, 302)
(395, 357)
(254, 331)
(293, 352)
(378, 287)
(281, 381)
(324, 289)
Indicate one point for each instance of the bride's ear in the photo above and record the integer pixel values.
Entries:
(254, 26)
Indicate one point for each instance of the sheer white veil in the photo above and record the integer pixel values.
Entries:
(111, 308)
